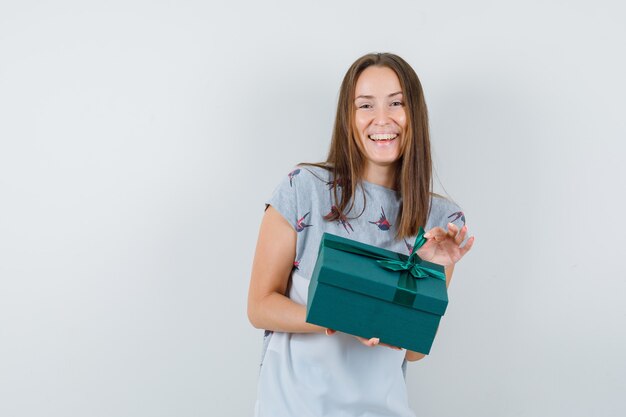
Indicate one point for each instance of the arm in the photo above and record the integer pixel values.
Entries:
(268, 306)
(416, 356)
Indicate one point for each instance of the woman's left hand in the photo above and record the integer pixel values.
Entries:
(374, 341)
(443, 247)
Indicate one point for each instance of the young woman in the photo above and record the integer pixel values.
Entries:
(375, 187)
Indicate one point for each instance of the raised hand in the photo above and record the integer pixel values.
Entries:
(444, 247)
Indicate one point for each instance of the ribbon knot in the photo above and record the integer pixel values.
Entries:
(413, 264)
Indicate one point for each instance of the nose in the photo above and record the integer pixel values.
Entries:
(381, 116)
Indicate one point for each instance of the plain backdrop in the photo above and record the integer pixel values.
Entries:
(139, 140)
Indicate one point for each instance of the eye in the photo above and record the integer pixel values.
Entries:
(365, 106)
(397, 103)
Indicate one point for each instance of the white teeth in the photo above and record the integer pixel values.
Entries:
(385, 136)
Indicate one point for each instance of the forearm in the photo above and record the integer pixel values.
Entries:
(278, 313)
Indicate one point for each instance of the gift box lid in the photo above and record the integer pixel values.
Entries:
(364, 274)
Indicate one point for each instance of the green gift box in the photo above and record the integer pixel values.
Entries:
(367, 291)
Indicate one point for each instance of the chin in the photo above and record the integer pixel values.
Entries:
(384, 160)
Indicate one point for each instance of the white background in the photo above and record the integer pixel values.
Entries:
(138, 141)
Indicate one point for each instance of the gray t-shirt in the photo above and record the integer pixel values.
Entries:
(310, 374)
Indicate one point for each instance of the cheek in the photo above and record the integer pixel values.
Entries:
(401, 120)
(361, 122)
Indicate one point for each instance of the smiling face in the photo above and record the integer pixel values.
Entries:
(380, 117)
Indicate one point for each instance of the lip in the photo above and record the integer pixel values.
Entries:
(383, 141)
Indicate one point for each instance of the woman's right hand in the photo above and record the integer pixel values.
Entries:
(374, 341)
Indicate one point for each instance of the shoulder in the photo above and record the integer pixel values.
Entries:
(444, 210)
(299, 184)
(304, 176)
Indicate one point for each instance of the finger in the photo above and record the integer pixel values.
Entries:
(373, 341)
(468, 245)
(368, 342)
(434, 232)
(453, 230)
(330, 332)
(461, 236)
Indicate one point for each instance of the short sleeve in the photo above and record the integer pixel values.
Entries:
(285, 197)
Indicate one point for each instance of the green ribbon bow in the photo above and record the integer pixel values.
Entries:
(407, 288)
(413, 264)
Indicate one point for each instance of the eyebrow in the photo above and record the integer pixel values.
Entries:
(370, 97)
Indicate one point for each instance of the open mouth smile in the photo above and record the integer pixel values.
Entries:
(383, 137)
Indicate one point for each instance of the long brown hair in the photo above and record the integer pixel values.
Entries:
(413, 176)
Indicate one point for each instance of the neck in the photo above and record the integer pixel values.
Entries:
(380, 175)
